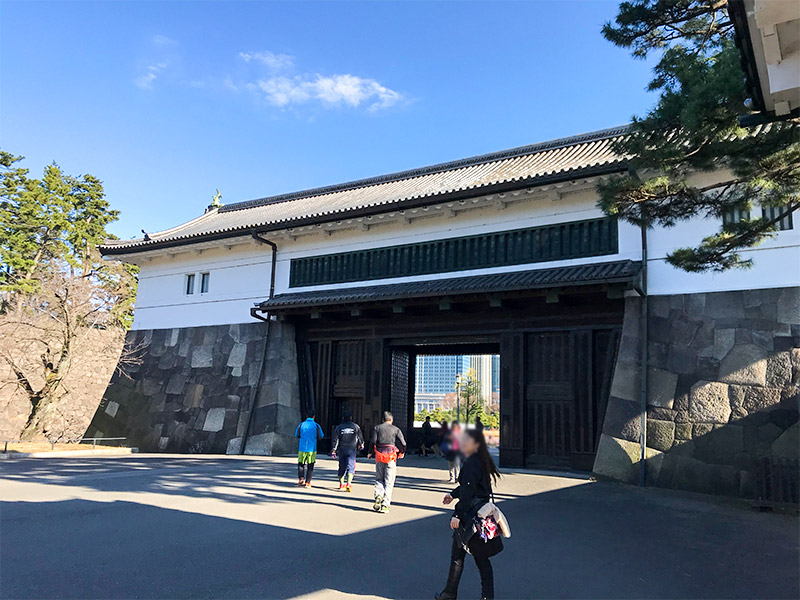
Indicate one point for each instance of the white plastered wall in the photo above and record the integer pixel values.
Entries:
(240, 274)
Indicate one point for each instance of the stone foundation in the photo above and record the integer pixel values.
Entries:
(194, 389)
(723, 390)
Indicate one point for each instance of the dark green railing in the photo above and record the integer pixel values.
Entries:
(561, 241)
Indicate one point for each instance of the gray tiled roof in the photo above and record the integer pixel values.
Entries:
(557, 160)
(578, 275)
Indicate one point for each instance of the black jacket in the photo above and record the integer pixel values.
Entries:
(347, 437)
(387, 438)
(473, 491)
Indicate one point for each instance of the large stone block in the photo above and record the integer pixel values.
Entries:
(745, 364)
(758, 398)
(661, 386)
(708, 402)
(691, 474)
(721, 445)
(623, 419)
(660, 434)
(724, 340)
(779, 370)
(617, 459)
(627, 382)
(238, 355)
(202, 357)
(215, 419)
(788, 444)
(681, 359)
(789, 306)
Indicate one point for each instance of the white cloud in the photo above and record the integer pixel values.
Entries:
(275, 62)
(145, 80)
(163, 40)
(333, 90)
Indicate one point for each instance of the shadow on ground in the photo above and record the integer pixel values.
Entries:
(583, 540)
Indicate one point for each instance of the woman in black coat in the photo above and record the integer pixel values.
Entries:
(473, 491)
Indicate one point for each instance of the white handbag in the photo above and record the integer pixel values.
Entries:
(490, 510)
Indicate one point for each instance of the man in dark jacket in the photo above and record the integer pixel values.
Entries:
(388, 444)
(347, 441)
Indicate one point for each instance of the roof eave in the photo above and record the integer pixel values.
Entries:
(617, 166)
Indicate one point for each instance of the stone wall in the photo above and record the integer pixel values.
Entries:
(95, 357)
(723, 382)
(194, 389)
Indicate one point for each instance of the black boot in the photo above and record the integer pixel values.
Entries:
(487, 579)
(450, 591)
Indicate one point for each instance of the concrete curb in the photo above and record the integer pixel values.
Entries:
(70, 453)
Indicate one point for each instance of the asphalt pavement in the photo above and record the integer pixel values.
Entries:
(156, 526)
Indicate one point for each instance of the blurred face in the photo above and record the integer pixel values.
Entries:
(468, 444)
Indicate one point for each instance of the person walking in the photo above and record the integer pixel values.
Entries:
(309, 432)
(479, 424)
(429, 443)
(347, 441)
(473, 491)
(388, 445)
(453, 451)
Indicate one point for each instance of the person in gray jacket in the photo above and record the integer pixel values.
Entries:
(387, 444)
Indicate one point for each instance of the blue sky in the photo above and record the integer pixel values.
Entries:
(166, 101)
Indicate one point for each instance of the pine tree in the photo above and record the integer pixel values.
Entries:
(693, 129)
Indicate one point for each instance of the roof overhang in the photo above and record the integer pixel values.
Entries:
(767, 33)
(619, 275)
(368, 211)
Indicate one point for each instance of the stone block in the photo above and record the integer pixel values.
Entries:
(788, 444)
(234, 446)
(757, 399)
(701, 429)
(723, 342)
(176, 384)
(708, 402)
(747, 484)
(661, 414)
(736, 396)
(779, 370)
(238, 355)
(657, 354)
(768, 433)
(661, 386)
(725, 305)
(724, 480)
(789, 306)
(692, 475)
(683, 448)
(682, 330)
(660, 434)
(745, 364)
(215, 419)
(202, 357)
(112, 408)
(623, 419)
(722, 445)
(794, 354)
(658, 306)
(783, 417)
(617, 459)
(763, 339)
(626, 383)
(681, 359)
(683, 431)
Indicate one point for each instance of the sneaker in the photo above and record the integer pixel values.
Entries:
(301, 483)
(378, 504)
(384, 509)
(348, 488)
(308, 484)
(342, 487)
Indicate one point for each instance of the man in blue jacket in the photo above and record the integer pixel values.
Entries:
(309, 432)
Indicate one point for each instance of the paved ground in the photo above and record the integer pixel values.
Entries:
(213, 527)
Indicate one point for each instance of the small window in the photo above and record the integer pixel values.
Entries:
(735, 215)
(204, 277)
(772, 212)
(190, 284)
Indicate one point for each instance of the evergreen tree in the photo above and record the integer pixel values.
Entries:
(694, 128)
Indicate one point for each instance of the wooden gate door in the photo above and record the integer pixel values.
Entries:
(568, 376)
(549, 396)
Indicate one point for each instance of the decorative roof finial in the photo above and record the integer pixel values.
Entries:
(215, 201)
